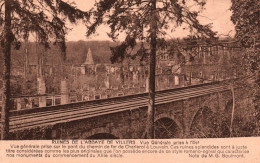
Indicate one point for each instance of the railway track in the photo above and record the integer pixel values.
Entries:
(83, 110)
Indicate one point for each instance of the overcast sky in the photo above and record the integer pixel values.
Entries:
(216, 12)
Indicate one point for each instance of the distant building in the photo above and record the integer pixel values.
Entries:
(88, 66)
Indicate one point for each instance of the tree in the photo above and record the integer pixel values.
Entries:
(245, 16)
(22, 17)
(146, 21)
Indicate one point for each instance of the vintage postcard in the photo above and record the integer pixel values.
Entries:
(135, 80)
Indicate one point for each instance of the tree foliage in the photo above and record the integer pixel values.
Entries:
(245, 16)
(133, 17)
(146, 21)
(46, 18)
(246, 19)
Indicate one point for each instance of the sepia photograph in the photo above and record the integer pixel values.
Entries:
(120, 77)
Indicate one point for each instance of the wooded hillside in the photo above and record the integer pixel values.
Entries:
(76, 53)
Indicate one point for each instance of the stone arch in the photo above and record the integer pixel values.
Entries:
(170, 116)
(167, 127)
(164, 115)
(100, 133)
(203, 124)
(196, 114)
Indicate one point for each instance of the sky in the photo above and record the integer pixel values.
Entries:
(216, 12)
